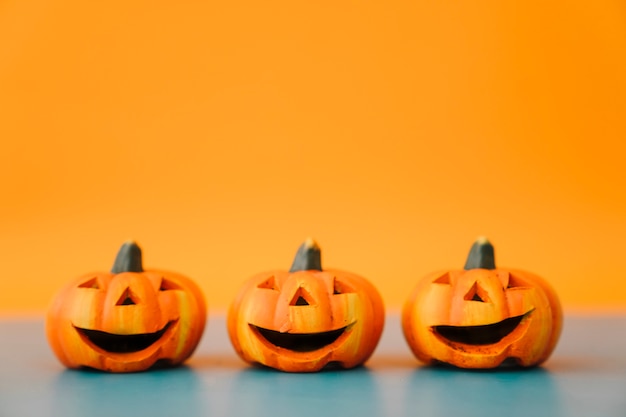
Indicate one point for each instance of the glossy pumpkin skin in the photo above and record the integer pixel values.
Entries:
(97, 320)
(478, 318)
(341, 324)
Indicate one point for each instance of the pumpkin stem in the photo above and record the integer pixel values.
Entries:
(481, 255)
(308, 257)
(128, 259)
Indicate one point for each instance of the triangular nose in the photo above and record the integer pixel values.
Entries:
(301, 298)
(126, 299)
(476, 297)
(476, 293)
(301, 302)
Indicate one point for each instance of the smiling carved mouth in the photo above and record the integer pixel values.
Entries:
(299, 342)
(486, 334)
(122, 343)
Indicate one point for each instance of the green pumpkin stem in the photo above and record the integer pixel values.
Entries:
(308, 257)
(481, 255)
(128, 259)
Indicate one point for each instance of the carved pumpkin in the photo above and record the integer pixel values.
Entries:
(482, 316)
(128, 319)
(307, 318)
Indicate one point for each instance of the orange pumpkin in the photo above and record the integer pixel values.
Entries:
(307, 318)
(128, 319)
(482, 316)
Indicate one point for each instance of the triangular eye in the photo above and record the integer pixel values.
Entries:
(301, 298)
(340, 288)
(92, 284)
(444, 279)
(126, 299)
(269, 284)
(476, 293)
(515, 282)
(167, 285)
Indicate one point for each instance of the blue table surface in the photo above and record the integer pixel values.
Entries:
(586, 376)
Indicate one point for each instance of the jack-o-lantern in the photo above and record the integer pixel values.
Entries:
(482, 316)
(306, 318)
(128, 319)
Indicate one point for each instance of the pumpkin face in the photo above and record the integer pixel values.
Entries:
(126, 320)
(482, 316)
(305, 319)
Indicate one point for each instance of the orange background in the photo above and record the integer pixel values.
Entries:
(220, 136)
